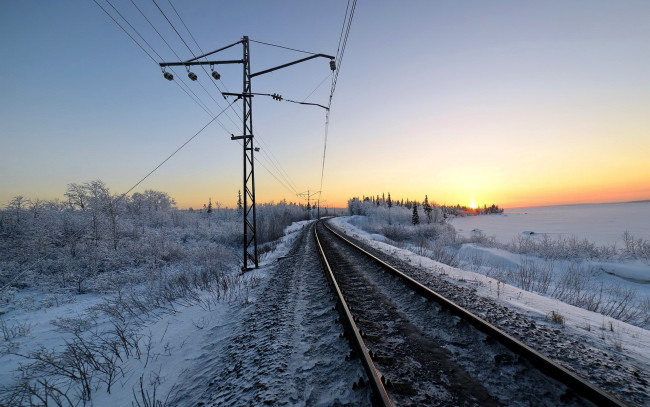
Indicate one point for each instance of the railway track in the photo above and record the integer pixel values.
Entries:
(419, 348)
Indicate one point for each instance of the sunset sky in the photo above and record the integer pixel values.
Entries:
(517, 103)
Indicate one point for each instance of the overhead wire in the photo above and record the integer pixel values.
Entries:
(190, 49)
(266, 152)
(175, 151)
(272, 160)
(339, 61)
(341, 53)
(187, 91)
(281, 46)
(125, 31)
(122, 196)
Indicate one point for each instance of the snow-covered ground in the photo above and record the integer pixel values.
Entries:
(187, 353)
(182, 350)
(604, 333)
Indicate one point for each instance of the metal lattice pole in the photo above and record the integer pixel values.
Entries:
(250, 216)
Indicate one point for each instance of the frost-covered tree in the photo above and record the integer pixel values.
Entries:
(76, 194)
(240, 206)
(389, 202)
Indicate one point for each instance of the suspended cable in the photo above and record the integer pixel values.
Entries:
(173, 27)
(200, 102)
(342, 50)
(194, 55)
(130, 189)
(187, 91)
(345, 18)
(156, 30)
(193, 39)
(322, 170)
(339, 58)
(272, 159)
(281, 46)
(286, 186)
(174, 153)
(126, 32)
(318, 86)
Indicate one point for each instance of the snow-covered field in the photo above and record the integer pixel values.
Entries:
(602, 224)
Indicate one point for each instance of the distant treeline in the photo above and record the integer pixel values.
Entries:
(446, 211)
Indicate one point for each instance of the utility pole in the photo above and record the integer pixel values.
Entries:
(249, 211)
(308, 195)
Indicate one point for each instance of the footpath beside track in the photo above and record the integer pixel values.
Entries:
(425, 349)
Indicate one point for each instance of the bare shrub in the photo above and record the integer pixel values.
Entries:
(532, 276)
(443, 255)
(14, 329)
(556, 317)
(143, 398)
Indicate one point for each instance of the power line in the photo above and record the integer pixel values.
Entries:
(345, 18)
(339, 59)
(173, 27)
(174, 153)
(156, 30)
(342, 50)
(132, 188)
(266, 152)
(281, 46)
(126, 32)
(187, 91)
(194, 55)
(318, 86)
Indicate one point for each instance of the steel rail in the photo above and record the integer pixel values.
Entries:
(545, 365)
(380, 396)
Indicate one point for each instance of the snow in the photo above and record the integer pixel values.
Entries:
(602, 330)
(175, 343)
(172, 343)
(636, 271)
(602, 224)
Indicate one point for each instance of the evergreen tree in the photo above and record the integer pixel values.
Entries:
(416, 218)
(209, 209)
(240, 206)
(389, 202)
(427, 208)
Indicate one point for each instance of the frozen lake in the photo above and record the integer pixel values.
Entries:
(602, 224)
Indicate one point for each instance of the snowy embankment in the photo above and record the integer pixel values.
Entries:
(162, 345)
(607, 333)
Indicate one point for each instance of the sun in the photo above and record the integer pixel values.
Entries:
(472, 204)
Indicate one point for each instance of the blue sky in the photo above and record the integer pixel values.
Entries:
(507, 102)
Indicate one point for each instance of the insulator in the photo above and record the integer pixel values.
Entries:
(332, 65)
(216, 75)
(192, 76)
(168, 76)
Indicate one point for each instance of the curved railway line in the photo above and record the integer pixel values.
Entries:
(419, 348)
